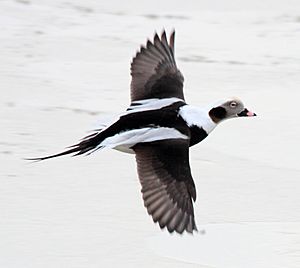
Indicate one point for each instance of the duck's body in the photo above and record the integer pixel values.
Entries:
(159, 127)
(155, 120)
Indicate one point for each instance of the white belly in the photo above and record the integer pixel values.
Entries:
(125, 140)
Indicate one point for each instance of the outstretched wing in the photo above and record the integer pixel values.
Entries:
(154, 72)
(167, 184)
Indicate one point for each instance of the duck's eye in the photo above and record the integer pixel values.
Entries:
(233, 104)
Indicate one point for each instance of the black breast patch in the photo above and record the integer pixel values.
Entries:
(197, 134)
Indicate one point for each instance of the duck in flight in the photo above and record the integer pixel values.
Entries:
(159, 127)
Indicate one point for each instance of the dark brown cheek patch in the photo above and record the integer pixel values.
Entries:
(217, 114)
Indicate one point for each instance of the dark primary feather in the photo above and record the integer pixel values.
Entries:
(167, 184)
(154, 72)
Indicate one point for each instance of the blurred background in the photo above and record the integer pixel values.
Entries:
(64, 65)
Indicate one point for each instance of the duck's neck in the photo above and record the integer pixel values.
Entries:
(196, 117)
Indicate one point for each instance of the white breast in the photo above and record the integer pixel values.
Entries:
(194, 116)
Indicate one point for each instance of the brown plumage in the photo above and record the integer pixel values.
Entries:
(167, 184)
(154, 71)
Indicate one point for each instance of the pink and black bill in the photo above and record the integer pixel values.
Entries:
(246, 112)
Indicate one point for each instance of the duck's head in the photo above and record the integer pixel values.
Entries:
(229, 109)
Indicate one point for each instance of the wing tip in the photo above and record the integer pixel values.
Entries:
(157, 38)
(172, 40)
(183, 231)
(185, 224)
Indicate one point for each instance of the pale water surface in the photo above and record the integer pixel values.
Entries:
(64, 65)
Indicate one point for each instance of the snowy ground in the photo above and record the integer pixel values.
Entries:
(65, 65)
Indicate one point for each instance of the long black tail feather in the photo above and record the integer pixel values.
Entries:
(87, 144)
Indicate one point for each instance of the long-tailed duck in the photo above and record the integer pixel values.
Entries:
(159, 127)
